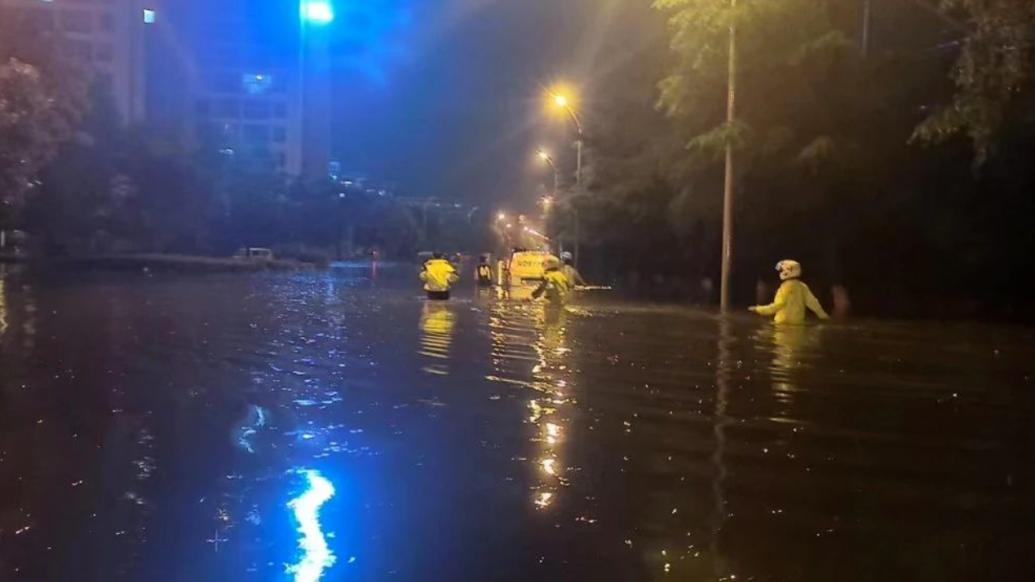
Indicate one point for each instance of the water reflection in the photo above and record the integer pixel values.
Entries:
(548, 411)
(720, 423)
(790, 346)
(316, 554)
(437, 323)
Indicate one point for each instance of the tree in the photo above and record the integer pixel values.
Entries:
(993, 73)
(42, 100)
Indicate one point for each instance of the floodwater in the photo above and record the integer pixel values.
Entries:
(336, 426)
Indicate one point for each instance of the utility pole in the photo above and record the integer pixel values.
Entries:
(866, 21)
(729, 186)
(578, 182)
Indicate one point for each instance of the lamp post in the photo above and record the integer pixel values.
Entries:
(563, 102)
(728, 185)
(561, 99)
(546, 157)
(548, 201)
(311, 13)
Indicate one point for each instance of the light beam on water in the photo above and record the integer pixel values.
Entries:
(316, 555)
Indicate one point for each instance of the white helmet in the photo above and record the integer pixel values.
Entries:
(789, 269)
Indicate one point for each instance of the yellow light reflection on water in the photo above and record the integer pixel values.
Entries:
(543, 499)
(437, 324)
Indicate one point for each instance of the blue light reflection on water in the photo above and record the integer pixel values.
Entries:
(316, 554)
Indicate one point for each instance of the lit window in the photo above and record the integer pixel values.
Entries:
(149, 16)
(257, 83)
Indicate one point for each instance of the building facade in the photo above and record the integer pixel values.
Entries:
(233, 76)
(243, 81)
(108, 36)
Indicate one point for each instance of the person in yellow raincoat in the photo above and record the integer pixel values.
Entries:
(555, 285)
(483, 274)
(573, 274)
(792, 298)
(438, 276)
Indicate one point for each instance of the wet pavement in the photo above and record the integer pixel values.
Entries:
(336, 426)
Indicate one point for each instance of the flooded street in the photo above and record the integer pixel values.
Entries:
(336, 426)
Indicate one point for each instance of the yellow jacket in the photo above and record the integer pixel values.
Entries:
(438, 275)
(484, 272)
(555, 286)
(789, 305)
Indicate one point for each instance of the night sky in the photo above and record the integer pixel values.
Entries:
(445, 97)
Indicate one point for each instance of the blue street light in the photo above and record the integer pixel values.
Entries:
(317, 11)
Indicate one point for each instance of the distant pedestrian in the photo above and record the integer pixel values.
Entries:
(484, 272)
(438, 276)
(792, 298)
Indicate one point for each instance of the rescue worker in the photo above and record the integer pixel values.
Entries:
(483, 273)
(438, 276)
(792, 297)
(555, 285)
(573, 275)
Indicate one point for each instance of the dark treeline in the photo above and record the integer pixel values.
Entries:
(899, 168)
(111, 190)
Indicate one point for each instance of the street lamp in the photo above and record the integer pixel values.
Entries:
(546, 157)
(501, 217)
(560, 99)
(317, 11)
(311, 14)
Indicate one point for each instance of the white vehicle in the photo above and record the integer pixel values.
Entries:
(254, 254)
(527, 268)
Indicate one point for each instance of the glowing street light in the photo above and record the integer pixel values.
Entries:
(317, 11)
(562, 99)
(501, 217)
(546, 157)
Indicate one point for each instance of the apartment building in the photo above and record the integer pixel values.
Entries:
(107, 35)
